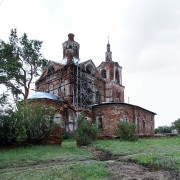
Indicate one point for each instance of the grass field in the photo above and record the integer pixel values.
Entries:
(161, 152)
(42, 154)
(88, 171)
(69, 162)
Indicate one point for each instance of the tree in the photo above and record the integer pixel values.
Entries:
(20, 62)
(176, 124)
(3, 99)
(163, 129)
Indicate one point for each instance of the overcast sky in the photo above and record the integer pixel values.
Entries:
(144, 37)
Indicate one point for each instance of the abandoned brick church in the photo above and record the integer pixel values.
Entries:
(73, 87)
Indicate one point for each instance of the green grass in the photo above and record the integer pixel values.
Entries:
(88, 171)
(41, 154)
(160, 153)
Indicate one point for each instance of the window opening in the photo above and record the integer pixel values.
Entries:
(89, 69)
(98, 97)
(103, 73)
(137, 122)
(99, 123)
(50, 71)
(117, 76)
(144, 125)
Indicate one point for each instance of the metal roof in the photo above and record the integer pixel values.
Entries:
(119, 103)
(44, 95)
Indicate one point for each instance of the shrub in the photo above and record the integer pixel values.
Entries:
(126, 131)
(66, 135)
(36, 122)
(28, 124)
(86, 132)
(7, 127)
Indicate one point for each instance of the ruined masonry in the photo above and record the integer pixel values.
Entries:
(73, 87)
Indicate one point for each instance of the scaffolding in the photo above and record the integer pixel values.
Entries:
(83, 90)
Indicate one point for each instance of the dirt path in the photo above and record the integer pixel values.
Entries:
(45, 164)
(119, 169)
(130, 171)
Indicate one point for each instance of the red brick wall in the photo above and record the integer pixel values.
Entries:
(111, 113)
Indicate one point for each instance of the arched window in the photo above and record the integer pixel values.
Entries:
(118, 94)
(125, 116)
(98, 97)
(117, 76)
(137, 122)
(89, 69)
(50, 71)
(144, 124)
(99, 123)
(58, 119)
(103, 73)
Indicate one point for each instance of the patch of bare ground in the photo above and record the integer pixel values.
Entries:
(128, 170)
(132, 171)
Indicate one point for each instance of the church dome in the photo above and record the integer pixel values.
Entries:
(44, 95)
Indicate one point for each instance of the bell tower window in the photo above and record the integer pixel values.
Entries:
(117, 76)
(103, 73)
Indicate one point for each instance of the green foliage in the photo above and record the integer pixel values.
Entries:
(3, 99)
(86, 132)
(28, 124)
(163, 129)
(176, 125)
(21, 61)
(7, 127)
(126, 131)
(66, 135)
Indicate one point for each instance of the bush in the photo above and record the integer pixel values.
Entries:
(7, 127)
(126, 131)
(86, 132)
(36, 122)
(28, 124)
(66, 135)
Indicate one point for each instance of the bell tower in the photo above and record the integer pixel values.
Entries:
(70, 49)
(111, 72)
